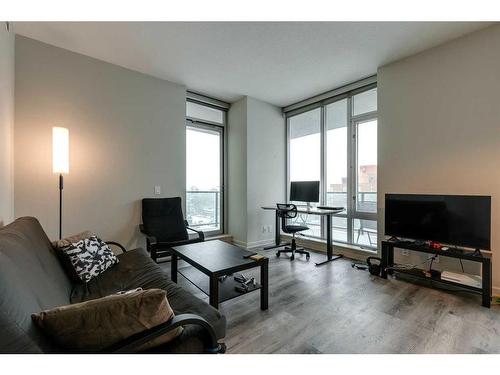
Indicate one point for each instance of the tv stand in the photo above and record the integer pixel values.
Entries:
(474, 256)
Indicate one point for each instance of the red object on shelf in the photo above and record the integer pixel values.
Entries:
(435, 245)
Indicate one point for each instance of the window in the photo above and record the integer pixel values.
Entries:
(204, 168)
(305, 158)
(336, 143)
(205, 113)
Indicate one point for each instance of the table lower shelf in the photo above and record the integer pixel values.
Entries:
(417, 274)
(202, 282)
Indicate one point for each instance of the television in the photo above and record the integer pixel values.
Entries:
(304, 191)
(460, 220)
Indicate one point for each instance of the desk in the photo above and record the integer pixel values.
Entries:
(311, 211)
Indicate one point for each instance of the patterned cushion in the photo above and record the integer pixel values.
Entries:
(90, 257)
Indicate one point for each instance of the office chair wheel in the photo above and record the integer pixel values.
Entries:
(278, 254)
(292, 257)
(307, 256)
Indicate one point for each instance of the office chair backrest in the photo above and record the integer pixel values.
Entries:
(163, 218)
(287, 210)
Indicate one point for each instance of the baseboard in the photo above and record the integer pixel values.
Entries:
(253, 244)
(351, 252)
(260, 243)
(495, 290)
(240, 243)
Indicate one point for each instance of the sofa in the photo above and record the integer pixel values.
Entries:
(32, 279)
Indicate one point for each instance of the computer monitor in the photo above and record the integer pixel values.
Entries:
(304, 191)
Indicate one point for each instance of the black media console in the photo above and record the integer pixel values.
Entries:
(477, 256)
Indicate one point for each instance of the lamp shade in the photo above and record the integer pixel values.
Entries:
(60, 150)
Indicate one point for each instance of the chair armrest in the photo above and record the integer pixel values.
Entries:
(201, 235)
(134, 342)
(150, 240)
(117, 244)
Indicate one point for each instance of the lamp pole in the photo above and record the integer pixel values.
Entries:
(61, 186)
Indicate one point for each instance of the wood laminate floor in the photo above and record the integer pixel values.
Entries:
(337, 309)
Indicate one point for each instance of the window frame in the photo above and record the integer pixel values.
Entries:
(352, 121)
(194, 122)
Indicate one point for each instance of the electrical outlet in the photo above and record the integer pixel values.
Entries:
(157, 190)
(405, 252)
(269, 229)
(263, 229)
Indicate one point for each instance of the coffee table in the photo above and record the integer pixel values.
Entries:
(215, 259)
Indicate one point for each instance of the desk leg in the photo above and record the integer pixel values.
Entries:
(264, 281)
(277, 237)
(385, 260)
(173, 267)
(390, 259)
(486, 282)
(214, 292)
(330, 257)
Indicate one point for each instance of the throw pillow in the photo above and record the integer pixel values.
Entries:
(94, 325)
(63, 258)
(90, 257)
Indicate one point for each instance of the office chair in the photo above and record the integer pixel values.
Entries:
(164, 226)
(289, 211)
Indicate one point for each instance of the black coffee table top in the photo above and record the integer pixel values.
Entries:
(213, 257)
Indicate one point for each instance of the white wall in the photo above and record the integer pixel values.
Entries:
(237, 172)
(6, 124)
(439, 125)
(266, 168)
(127, 134)
(256, 169)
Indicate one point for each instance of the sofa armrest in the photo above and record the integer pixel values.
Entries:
(132, 343)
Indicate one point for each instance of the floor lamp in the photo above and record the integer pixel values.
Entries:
(60, 162)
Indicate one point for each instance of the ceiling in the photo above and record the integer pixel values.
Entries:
(277, 62)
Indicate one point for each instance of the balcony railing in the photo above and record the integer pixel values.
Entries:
(203, 212)
(203, 209)
(364, 231)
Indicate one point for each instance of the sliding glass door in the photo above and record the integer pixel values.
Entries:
(205, 169)
(335, 142)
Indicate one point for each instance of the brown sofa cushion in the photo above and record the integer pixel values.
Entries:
(96, 324)
(59, 244)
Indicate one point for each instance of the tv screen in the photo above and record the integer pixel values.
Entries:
(304, 191)
(460, 220)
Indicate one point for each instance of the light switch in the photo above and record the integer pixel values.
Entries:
(157, 190)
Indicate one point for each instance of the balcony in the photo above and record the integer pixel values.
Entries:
(203, 209)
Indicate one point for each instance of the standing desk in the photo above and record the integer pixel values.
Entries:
(311, 211)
